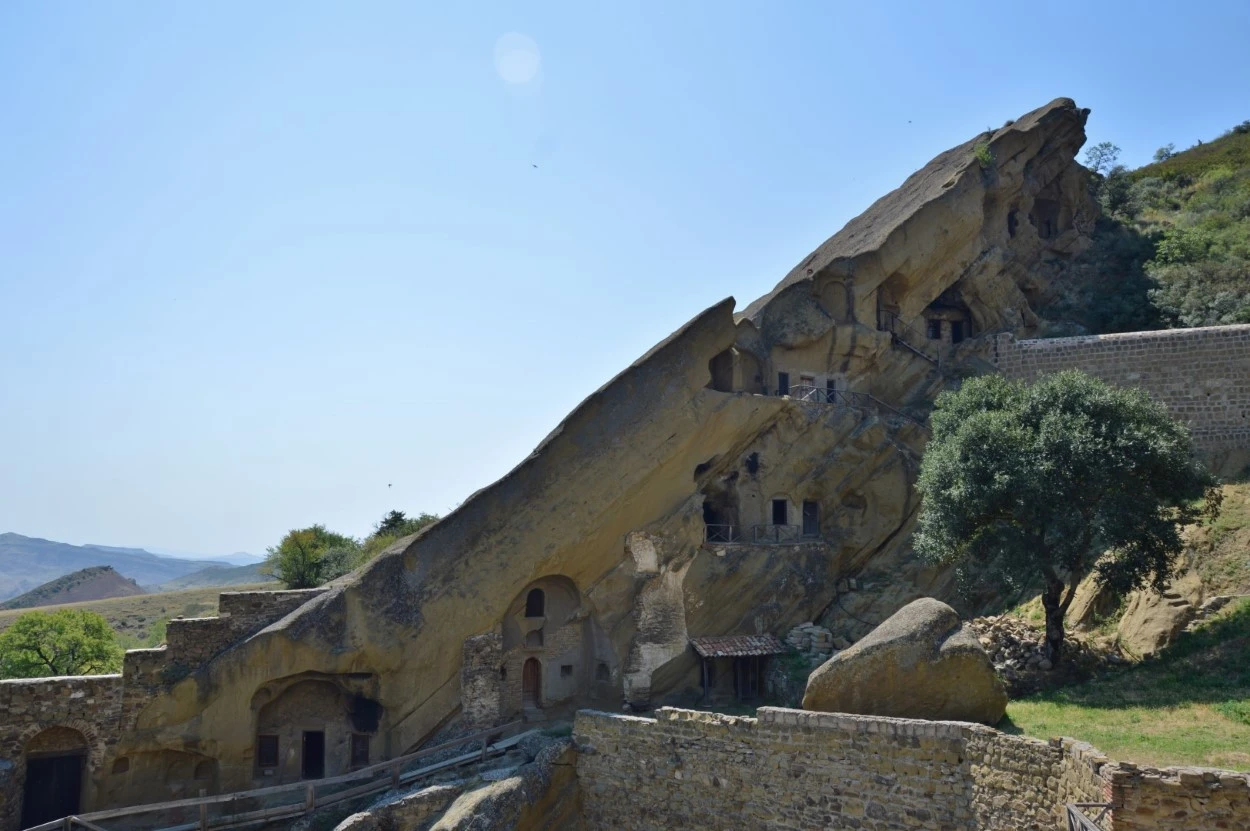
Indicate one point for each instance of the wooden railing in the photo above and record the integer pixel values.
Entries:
(1077, 819)
(908, 337)
(846, 398)
(382, 776)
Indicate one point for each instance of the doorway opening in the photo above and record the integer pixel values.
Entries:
(314, 761)
(531, 684)
(53, 788)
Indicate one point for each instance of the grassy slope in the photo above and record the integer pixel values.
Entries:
(136, 618)
(95, 583)
(1189, 707)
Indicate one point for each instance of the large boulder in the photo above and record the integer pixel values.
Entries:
(920, 663)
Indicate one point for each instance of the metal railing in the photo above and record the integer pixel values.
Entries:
(1077, 819)
(382, 776)
(908, 337)
(776, 534)
(723, 533)
(845, 398)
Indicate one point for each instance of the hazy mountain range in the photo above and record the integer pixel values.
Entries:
(28, 562)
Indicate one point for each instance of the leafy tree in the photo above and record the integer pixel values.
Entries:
(1165, 152)
(308, 557)
(68, 642)
(1102, 157)
(1059, 479)
(393, 526)
(1115, 193)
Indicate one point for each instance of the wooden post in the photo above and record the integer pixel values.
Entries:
(203, 812)
(67, 823)
(310, 799)
(706, 691)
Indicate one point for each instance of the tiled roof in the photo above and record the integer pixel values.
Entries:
(737, 646)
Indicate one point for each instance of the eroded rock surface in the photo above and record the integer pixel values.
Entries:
(920, 663)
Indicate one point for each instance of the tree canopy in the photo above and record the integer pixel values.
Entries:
(68, 642)
(1055, 481)
(308, 557)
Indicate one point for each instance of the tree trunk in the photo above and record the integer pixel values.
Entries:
(1052, 602)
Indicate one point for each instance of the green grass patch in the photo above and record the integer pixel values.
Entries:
(1189, 707)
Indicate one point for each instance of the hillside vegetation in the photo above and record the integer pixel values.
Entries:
(1191, 706)
(139, 620)
(1173, 248)
(96, 583)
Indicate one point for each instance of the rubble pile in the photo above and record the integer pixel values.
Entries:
(1018, 651)
(816, 643)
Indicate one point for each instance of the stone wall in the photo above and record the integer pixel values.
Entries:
(1179, 799)
(792, 769)
(48, 715)
(1201, 375)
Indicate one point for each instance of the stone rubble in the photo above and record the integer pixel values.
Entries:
(1018, 651)
(816, 643)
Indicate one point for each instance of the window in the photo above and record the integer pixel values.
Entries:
(534, 639)
(808, 384)
(1012, 223)
(831, 391)
(957, 331)
(935, 329)
(204, 770)
(783, 383)
(360, 750)
(811, 518)
(602, 673)
(121, 764)
(535, 603)
(566, 670)
(779, 512)
(267, 751)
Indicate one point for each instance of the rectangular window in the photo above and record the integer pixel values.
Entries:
(831, 391)
(779, 512)
(360, 750)
(267, 751)
(783, 383)
(566, 670)
(957, 331)
(811, 519)
(935, 330)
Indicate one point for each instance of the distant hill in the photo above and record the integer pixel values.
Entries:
(238, 558)
(95, 583)
(29, 562)
(216, 576)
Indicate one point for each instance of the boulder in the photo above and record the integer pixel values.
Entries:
(920, 663)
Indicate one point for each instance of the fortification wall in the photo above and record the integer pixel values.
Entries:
(1201, 375)
(790, 769)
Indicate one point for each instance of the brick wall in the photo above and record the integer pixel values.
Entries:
(1201, 375)
(791, 769)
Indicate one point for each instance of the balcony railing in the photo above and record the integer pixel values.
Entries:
(845, 398)
(758, 534)
(908, 337)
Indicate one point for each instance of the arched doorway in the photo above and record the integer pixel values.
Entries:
(55, 760)
(532, 684)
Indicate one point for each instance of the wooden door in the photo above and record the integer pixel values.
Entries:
(532, 683)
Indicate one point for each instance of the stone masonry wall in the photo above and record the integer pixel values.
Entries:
(792, 769)
(89, 704)
(1201, 375)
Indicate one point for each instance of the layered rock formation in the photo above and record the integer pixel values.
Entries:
(725, 483)
(920, 663)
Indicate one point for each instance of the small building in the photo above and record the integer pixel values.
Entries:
(735, 664)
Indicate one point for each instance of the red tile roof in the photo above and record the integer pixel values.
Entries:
(737, 646)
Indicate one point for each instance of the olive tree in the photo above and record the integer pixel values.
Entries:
(1057, 480)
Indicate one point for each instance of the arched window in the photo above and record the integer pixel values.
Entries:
(535, 602)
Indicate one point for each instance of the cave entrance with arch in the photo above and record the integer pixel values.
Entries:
(56, 762)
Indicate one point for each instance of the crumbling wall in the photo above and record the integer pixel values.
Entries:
(1178, 799)
(1201, 375)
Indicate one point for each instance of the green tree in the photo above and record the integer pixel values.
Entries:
(1165, 152)
(1057, 480)
(308, 557)
(1102, 157)
(68, 642)
(394, 525)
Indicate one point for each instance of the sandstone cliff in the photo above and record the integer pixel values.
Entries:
(722, 484)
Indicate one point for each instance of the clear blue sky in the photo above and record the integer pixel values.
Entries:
(260, 260)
